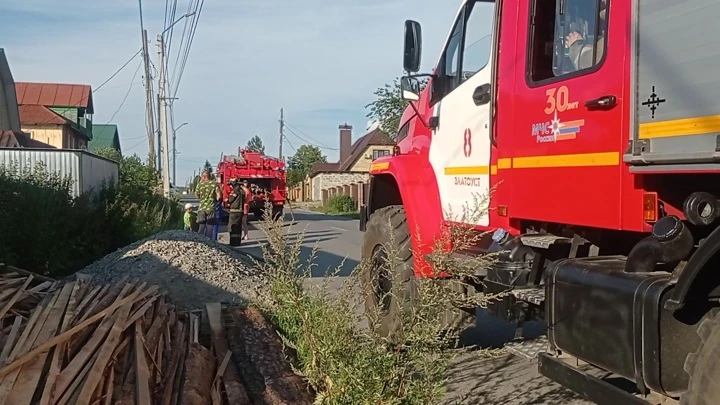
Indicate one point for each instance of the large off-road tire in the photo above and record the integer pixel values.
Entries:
(390, 291)
(703, 366)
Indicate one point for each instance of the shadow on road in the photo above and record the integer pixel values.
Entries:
(324, 263)
(506, 380)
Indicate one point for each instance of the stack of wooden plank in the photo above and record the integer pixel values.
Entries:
(81, 343)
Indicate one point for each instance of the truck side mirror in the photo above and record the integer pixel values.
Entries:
(410, 88)
(413, 46)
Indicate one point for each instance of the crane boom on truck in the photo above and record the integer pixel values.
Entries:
(595, 124)
(266, 176)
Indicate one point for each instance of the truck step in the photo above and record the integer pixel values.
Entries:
(533, 295)
(543, 241)
(528, 349)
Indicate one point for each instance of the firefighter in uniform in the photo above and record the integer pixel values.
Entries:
(237, 212)
(246, 208)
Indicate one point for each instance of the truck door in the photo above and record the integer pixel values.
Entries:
(569, 96)
(460, 146)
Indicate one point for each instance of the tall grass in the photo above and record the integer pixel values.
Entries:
(44, 229)
(336, 349)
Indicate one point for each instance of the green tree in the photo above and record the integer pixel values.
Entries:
(207, 166)
(136, 177)
(301, 162)
(255, 144)
(389, 106)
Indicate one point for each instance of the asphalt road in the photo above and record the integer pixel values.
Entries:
(474, 378)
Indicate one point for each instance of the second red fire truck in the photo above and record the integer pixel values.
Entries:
(266, 176)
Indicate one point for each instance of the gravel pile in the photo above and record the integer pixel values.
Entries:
(193, 269)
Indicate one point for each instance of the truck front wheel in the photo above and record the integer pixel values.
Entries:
(388, 283)
(389, 286)
(703, 366)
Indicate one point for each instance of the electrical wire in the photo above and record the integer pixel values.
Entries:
(171, 12)
(191, 36)
(122, 103)
(290, 144)
(117, 71)
(137, 144)
(317, 143)
(183, 39)
(308, 142)
(135, 138)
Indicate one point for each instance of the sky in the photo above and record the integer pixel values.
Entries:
(319, 60)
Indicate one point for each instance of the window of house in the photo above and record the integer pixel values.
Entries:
(379, 153)
(566, 36)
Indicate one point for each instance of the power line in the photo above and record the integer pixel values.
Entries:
(137, 144)
(132, 82)
(290, 144)
(308, 142)
(191, 36)
(118, 71)
(316, 142)
(183, 39)
(134, 138)
(169, 18)
(118, 86)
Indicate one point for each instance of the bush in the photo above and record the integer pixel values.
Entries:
(339, 204)
(346, 363)
(47, 231)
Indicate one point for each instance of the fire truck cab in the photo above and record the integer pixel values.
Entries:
(592, 128)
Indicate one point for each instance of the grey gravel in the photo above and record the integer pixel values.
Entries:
(192, 269)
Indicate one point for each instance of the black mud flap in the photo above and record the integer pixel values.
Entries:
(363, 217)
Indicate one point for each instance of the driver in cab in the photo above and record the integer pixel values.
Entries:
(580, 50)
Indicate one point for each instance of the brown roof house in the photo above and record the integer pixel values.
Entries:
(354, 164)
(57, 114)
(10, 135)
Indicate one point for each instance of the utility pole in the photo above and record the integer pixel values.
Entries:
(174, 152)
(163, 118)
(282, 125)
(150, 120)
(158, 143)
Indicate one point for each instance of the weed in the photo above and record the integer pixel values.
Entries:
(335, 344)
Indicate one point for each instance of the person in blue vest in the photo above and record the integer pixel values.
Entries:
(218, 215)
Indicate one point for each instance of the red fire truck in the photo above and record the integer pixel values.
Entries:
(596, 125)
(265, 174)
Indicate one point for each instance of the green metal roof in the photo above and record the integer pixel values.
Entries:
(104, 136)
